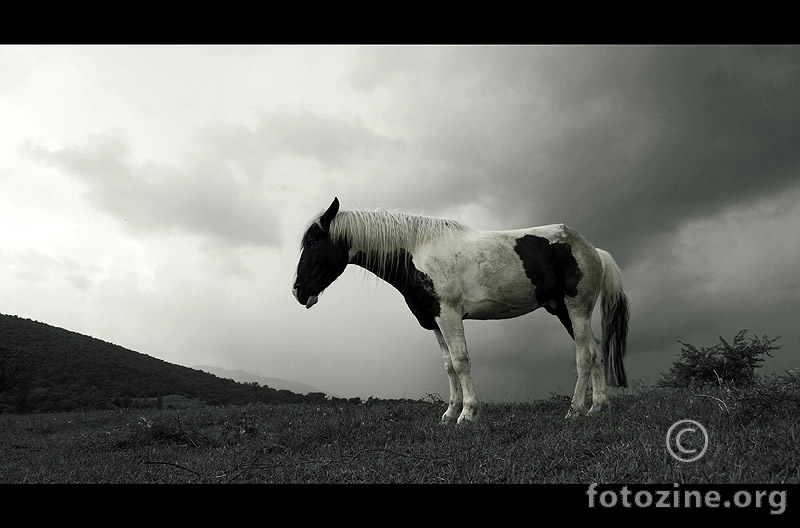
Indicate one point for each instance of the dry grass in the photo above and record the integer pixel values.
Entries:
(753, 438)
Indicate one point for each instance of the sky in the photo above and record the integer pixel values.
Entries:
(154, 197)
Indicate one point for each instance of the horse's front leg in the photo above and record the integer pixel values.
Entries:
(463, 402)
(455, 402)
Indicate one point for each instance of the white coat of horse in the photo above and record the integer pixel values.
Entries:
(448, 272)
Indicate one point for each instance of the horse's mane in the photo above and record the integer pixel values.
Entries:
(379, 234)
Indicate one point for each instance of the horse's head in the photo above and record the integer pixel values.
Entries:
(321, 260)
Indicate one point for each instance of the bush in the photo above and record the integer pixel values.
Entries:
(733, 364)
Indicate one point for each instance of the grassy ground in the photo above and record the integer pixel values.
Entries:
(753, 438)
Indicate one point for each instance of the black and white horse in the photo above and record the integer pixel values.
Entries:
(448, 272)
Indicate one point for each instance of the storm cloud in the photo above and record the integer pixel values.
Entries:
(172, 183)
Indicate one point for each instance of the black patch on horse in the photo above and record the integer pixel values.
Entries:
(560, 311)
(553, 271)
(416, 287)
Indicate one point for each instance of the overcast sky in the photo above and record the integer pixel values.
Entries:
(154, 197)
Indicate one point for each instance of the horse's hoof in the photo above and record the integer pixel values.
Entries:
(572, 414)
(598, 410)
(447, 419)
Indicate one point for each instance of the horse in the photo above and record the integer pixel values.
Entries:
(448, 272)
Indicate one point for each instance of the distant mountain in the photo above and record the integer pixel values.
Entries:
(245, 377)
(44, 369)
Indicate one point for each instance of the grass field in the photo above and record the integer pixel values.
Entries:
(752, 438)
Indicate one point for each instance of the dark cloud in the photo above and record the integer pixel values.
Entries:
(643, 149)
(619, 141)
(203, 198)
(679, 133)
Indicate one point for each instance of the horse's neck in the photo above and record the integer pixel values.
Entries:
(393, 267)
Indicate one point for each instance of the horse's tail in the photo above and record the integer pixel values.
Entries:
(615, 321)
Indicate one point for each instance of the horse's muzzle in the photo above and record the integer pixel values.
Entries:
(309, 302)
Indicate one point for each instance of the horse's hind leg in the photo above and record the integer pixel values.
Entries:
(584, 366)
(455, 403)
(599, 394)
(589, 360)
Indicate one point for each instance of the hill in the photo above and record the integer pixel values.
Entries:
(44, 368)
(245, 377)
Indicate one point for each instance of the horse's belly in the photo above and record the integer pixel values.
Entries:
(488, 309)
(498, 290)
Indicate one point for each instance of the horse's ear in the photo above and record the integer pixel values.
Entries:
(327, 216)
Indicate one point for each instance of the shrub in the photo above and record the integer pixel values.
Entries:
(733, 364)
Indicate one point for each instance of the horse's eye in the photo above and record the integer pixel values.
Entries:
(312, 242)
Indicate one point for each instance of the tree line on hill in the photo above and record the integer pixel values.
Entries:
(49, 369)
